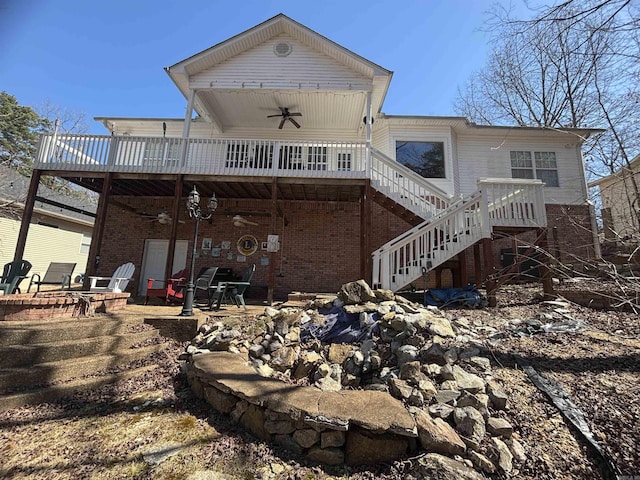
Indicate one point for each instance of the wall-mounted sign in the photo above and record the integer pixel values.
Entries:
(247, 245)
(273, 243)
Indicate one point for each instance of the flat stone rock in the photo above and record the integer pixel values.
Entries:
(499, 427)
(468, 381)
(328, 456)
(364, 449)
(436, 435)
(436, 466)
(232, 374)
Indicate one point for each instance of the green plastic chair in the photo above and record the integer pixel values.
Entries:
(12, 274)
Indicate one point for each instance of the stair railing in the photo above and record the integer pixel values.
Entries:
(428, 245)
(406, 187)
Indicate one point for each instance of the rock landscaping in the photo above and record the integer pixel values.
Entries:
(362, 378)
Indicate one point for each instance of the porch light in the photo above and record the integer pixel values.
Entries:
(194, 210)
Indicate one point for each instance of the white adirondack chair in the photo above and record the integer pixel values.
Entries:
(117, 282)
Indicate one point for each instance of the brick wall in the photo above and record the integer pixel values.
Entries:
(320, 242)
(570, 224)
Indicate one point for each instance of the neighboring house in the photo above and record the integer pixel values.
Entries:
(290, 135)
(60, 229)
(621, 203)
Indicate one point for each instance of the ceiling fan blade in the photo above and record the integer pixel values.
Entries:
(281, 123)
(277, 115)
(295, 114)
(294, 122)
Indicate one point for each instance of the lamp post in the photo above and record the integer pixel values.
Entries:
(193, 207)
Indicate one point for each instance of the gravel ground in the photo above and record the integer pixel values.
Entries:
(107, 433)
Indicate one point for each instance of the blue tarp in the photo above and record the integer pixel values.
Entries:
(468, 296)
(340, 327)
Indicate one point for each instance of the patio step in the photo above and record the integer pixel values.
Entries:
(45, 374)
(24, 355)
(31, 332)
(45, 360)
(55, 392)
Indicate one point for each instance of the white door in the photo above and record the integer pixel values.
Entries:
(155, 259)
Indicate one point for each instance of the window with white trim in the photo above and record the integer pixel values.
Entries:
(317, 158)
(344, 162)
(86, 243)
(540, 165)
(426, 158)
(157, 152)
(237, 155)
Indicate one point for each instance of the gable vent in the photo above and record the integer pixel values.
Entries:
(282, 49)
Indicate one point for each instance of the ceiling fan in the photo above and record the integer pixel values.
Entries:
(240, 221)
(163, 218)
(286, 115)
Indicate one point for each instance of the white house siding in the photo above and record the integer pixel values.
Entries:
(44, 244)
(487, 156)
(615, 194)
(260, 65)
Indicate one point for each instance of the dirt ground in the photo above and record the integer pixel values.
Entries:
(115, 432)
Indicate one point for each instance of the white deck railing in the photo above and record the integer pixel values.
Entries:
(99, 153)
(498, 202)
(448, 229)
(514, 202)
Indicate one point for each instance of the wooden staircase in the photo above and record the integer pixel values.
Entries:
(444, 226)
(42, 361)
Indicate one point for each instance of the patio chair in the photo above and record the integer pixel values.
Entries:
(233, 291)
(172, 292)
(117, 282)
(57, 274)
(12, 274)
(204, 281)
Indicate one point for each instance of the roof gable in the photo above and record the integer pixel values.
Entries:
(278, 25)
(262, 67)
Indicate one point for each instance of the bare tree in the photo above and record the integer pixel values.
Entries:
(573, 64)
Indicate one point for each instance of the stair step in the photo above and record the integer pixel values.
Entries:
(12, 356)
(12, 379)
(22, 333)
(55, 392)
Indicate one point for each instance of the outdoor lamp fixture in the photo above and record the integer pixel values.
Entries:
(193, 207)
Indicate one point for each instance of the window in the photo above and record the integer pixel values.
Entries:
(237, 155)
(263, 157)
(424, 158)
(291, 157)
(317, 158)
(344, 162)
(540, 165)
(160, 151)
(86, 243)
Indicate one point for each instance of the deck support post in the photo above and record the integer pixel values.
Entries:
(545, 274)
(477, 264)
(27, 214)
(490, 282)
(463, 278)
(274, 228)
(368, 122)
(175, 212)
(366, 207)
(98, 230)
(186, 127)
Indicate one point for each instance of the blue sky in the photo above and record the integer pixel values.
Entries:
(107, 58)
